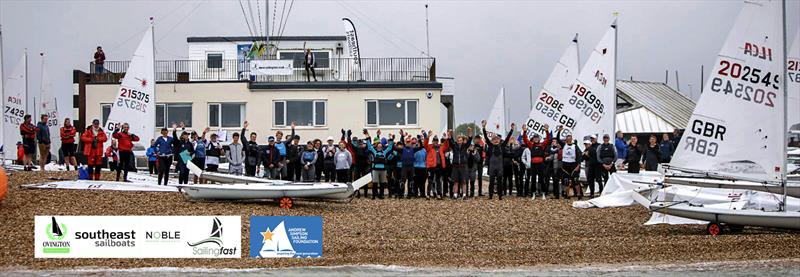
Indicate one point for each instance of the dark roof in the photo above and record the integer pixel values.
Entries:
(672, 106)
(261, 38)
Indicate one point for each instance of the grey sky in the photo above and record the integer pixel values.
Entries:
(483, 44)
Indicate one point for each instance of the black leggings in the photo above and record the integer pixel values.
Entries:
(94, 172)
(343, 175)
(420, 176)
(164, 163)
(124, 163)
(151, 167)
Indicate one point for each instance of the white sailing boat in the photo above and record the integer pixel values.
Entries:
(135, 102)
(277, 243)
(49, 105)
(551, 105)
(724, 141)
(793, 74)
(496, 122)
(15, 93)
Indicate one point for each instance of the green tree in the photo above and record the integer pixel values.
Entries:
(462, 129)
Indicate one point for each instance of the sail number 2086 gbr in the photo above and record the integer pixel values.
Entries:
(133, 99)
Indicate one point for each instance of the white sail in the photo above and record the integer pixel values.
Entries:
(793, 85)
(593, 94)
(278, 245)
(551, 105)
(136, 103)
(496, 123)
(15, 93)
(49, 106)
(737, 128)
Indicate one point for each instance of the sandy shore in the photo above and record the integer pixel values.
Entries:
(420, 233)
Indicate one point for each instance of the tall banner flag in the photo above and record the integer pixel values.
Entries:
(551, 107)
(593, 94)
(496, 123)
(49, 106)
(14, 109)
(793, 84)
(352, 44)
(737, 128)
(136, 99)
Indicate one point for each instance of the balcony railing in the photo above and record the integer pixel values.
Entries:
(327, 70)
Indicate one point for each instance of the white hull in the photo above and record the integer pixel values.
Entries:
(102, 185)
(775, 219)
(792, 187)
(268, 191)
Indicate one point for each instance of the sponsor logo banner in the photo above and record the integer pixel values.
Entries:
(271, 67)
(138, 237)
(285, 237)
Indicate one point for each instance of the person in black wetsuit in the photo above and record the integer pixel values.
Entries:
(495, 153)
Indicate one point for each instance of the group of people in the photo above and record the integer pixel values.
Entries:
(403, 165)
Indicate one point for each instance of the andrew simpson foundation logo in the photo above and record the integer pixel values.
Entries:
(285, 236)
(213, 245)
(56, 232)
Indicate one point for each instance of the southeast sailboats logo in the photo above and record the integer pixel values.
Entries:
(56, 233)
(276, 243)
(214, 238)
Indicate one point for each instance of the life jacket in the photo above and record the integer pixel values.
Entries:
(212, 150)
(569, 153)
(199, 149)
(379, 158)
(308, 156)
(606, 152)
(537, 153)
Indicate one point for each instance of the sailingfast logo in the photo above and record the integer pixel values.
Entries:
(56, 233)
(213, 245)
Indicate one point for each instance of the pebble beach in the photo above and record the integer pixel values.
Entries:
(474, 233)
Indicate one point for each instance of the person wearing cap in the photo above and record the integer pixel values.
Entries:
(68, 133)
(93, 138)
(494, 159)
(570, 157)
(328, 153)
(593, 166)
(538, 154)
(380, 156)
(125, 140)
(214, 151)
(28, 132)
(435, 163)
(251, 151)
(164, 151)
(606, 157)
(183, 144)
(270, 159)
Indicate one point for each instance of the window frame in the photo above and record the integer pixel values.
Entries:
(102, 106)
(302, 52)
(378, 113)
(314, 123)
(221, 59)
(166, 112)
(242, 113)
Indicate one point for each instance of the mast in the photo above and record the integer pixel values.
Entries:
(155, 83)
(785, 107)
(41, 87)
(26, 80)
(614, 82)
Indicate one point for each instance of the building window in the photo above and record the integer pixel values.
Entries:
(322, 58)
(225, 115)
(301, 112)
(106, 111)
(396, 112)
(214, 60)
(168, 114)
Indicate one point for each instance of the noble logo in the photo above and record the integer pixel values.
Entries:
(56, 233)
(285, 236)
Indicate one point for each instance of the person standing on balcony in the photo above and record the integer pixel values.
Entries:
(309, 63)
(99, 60)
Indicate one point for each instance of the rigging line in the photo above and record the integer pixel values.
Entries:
(162, 51)
(286, 20)
(380, 34)
(253, 19)
(244, 15)
(181, 21)
(283, 13)
(368, 18)
(258, 9)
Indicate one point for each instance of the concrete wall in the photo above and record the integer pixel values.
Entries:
(346, 108)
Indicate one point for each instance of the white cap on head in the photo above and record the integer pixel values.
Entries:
(587, 142)
(593, 136)
(330, 138)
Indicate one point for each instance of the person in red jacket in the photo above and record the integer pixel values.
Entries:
(20, 153)
(28, 132)
(435, 162)
(125, 141)
(93, 138)
(68, 143)
(538, 155)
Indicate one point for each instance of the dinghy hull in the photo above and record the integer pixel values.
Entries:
(775, 219)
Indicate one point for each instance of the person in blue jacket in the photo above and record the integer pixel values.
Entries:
(152, 157)
(622, 147)
(380, 156)
(420, 169)
(405, 164)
